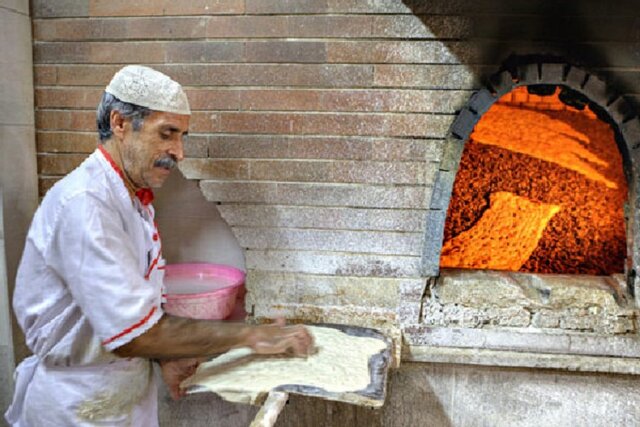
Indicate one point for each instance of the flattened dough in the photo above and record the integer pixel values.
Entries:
(505, 236)
(340, 365)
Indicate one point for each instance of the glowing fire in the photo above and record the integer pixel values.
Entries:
(552, 140)
(540, 188)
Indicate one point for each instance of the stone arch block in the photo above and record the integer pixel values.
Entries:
(481, 101)
(502, 83)
(553, 73)
(618, 109)
(464, 123)
(596, 90)
(528, 74)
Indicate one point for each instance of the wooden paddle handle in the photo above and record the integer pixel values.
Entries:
(268, 413)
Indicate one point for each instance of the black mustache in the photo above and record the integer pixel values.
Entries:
(167, 162)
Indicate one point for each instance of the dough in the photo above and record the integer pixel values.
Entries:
(503, 238)
(341, 364)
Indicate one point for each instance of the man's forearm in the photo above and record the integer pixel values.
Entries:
(176, 337)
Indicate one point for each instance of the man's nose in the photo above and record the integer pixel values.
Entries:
(177, 150)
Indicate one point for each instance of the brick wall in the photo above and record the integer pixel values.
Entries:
(318, 126)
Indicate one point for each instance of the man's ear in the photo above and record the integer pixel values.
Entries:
(118, 123)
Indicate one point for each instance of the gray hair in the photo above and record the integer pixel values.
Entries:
(110, 103)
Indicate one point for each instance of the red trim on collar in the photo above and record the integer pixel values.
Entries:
(145, 195)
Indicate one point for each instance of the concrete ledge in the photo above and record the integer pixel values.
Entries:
(466, 356)
(514, 339)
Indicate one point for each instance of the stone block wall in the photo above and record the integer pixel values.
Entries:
(318, 125)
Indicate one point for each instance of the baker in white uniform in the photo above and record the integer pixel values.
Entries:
(88, 293)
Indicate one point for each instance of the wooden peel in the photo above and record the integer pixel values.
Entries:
(268, 413)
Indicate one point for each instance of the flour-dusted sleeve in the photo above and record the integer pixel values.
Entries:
(98, 261)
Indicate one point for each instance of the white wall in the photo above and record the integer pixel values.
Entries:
(18, 176)
(7, 363)
(191, 227)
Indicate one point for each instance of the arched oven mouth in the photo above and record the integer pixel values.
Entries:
(540, 188)
(497, 280)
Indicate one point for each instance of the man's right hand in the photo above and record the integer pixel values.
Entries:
(278, 338)
(176, 338)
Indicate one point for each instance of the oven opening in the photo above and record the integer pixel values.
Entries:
(540, 189)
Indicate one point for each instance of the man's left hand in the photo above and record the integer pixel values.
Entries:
(174, 371)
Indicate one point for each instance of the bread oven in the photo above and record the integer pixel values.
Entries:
(532, 241)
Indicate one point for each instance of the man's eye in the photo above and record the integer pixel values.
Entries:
(165, 135)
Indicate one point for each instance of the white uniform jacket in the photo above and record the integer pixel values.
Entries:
(90, 280)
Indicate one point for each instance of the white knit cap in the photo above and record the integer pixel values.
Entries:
(149, 88)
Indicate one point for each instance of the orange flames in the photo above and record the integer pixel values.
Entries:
(541, 189)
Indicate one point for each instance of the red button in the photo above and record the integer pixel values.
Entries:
(155, 237)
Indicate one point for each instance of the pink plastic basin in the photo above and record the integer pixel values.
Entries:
(201, 291)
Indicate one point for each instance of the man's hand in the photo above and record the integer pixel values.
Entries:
(278, 338)
(174, 371)
(175, 337)
(263, 339)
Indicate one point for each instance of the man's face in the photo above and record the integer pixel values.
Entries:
(148, 155)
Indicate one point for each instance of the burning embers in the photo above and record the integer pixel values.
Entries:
(540, 189)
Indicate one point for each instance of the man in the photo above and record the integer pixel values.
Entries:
(89, 287)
